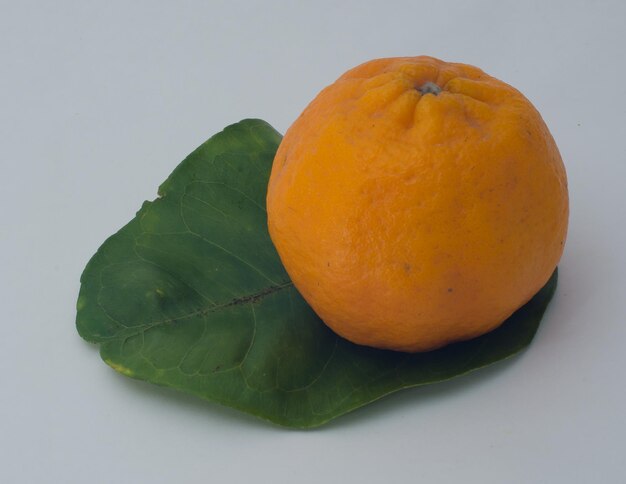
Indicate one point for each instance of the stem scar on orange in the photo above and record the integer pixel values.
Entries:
(416, 202)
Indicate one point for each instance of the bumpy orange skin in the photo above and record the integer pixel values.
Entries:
(409, 221)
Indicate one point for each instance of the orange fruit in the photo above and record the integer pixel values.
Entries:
(415, 203)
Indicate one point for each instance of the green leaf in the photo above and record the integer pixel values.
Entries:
(191, 294)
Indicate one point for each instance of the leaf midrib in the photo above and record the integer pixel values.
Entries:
(253, 298)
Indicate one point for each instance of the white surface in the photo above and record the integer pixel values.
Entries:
(99, 101)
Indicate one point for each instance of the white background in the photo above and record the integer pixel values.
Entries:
(99, 101)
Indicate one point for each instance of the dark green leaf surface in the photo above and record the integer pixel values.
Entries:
(192, 295)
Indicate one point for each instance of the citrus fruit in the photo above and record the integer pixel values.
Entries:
(415, 203)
